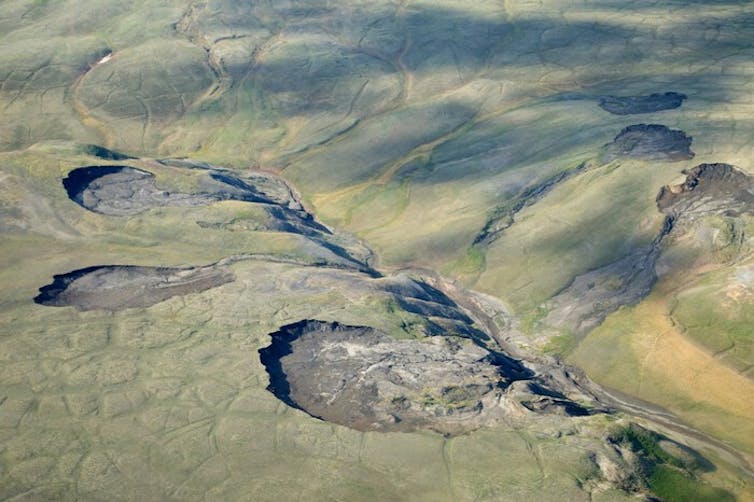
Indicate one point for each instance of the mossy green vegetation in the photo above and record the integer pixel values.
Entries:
(673, 486)
(718, 313)
(562, 345)
(669, 477)
(645, 442)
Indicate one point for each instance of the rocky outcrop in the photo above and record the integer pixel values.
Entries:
(630, 105)
(364, 379)
(650, 142)
(117, 287)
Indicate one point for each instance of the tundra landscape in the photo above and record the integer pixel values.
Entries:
(390, 250)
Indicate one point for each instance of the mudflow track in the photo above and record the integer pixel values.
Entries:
(480, 310)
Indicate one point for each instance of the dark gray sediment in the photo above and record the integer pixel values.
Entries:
(630, 105)
(650, 142)
(366, 380)
(117, 287)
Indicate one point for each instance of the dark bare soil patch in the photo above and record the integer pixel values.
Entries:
(126, 191)
(650, 142)
(710, 189)
(364, 379)
(630, 105)
(117, 287)
(123, 191)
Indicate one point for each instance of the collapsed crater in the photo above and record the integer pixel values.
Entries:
(709, 189)
(630, 105)
(123, 191)
(117, 287)
(127, 191)
(364, 379)
(650, 142)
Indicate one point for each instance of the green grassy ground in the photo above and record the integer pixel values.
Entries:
(170, 401)
(406, 123)
(719, 314)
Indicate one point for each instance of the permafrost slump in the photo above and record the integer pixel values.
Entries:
(364, 379)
